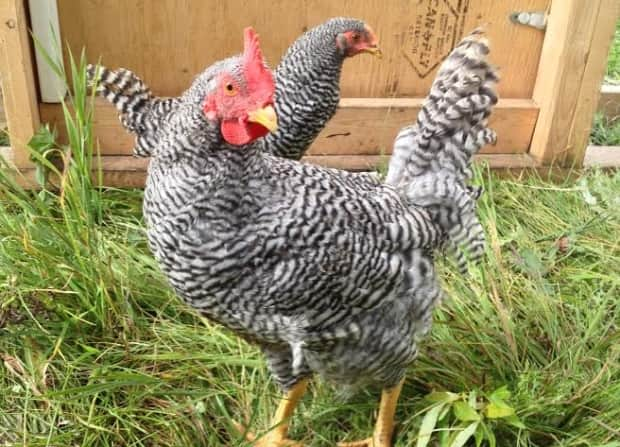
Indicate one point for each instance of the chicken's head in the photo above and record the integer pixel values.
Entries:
(241, 96)
(357, 38)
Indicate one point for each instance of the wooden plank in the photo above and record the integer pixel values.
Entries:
(24, 177)
(168, 42)
(594, 72)
(572, 63)
(609, 104)
(602, 157)
(130, 172)
(6, 153)
(18, 80)
(362, 126)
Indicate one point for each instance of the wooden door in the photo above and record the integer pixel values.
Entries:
(167, 42)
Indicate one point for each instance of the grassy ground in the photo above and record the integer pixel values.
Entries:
(613, 63)
(97, 351)
(606, 130)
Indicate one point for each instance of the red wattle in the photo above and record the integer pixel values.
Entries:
(240, 133)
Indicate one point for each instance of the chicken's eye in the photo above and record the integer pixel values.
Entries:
(230, 89)
(355, 37)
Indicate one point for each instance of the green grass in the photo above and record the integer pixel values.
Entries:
(605, 131)
(97, 351)
(613, 63)
(4, 138)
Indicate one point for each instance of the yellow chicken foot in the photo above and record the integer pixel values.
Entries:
(277, 436)
(384, 428)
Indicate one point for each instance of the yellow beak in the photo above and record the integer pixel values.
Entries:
(375, 51)
(266, 117)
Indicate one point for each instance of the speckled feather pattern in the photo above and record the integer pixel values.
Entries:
(431, 160)
(140, 112)
(327, 271)
(308, 87)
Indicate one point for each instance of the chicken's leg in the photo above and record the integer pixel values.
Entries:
(384, 428)
(277, 437)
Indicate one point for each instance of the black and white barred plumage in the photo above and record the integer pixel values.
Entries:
(327, 271)
(431, 161)
(308, 87)
(307, 93)
(140, 112)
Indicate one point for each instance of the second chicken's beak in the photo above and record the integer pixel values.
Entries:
(375, 51)
(266, 117)
(373, 43)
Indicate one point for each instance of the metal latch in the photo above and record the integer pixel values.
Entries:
(535, 19)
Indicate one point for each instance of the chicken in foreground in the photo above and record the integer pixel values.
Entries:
(327, 272)
(306, 98)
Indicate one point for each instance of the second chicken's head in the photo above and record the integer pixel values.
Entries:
(354, 37)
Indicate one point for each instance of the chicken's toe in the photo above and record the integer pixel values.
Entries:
(368, 442)
(273, 439)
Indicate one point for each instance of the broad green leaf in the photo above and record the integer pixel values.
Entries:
(514, 420)
(498, 409)
(501, 393)
(464, 412)
(428, 425)
(464, 435)
(441, 396)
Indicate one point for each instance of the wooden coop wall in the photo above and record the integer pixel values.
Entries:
(549, 86)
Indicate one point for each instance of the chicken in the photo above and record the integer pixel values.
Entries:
(307, 89)
(326, 271)
(308, 82)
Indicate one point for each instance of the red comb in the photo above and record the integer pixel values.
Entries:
(251, 46)
(258, 77)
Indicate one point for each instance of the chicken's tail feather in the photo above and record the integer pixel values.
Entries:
(139, 111)
(431, 161)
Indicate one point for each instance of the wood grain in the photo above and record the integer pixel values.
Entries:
(18, 80)
(568, 82)
(168, 42)
(590, 88)
(602, 157)
(362, 126)
(609, 104)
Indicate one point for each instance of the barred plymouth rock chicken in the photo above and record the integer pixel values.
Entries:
(326, 271)
(307, 89)
(308, 82)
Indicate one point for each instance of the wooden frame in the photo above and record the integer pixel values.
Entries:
(573, 62)
(609, 104)
(18, 79)
(560, 112)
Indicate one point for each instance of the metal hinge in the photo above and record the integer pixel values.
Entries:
(535, 19)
